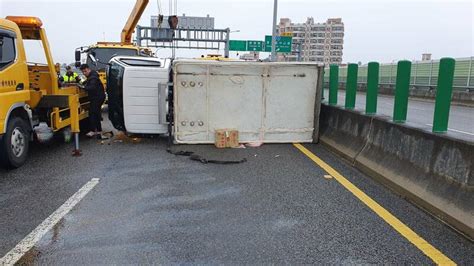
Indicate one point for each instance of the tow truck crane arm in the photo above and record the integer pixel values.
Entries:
(129, 28)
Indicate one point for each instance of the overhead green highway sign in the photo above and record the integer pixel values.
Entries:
(236, 45)
(283, 44)
(255, 46)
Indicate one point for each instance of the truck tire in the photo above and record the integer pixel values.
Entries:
(15, 143)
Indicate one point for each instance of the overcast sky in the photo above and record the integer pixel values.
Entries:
(380, 30)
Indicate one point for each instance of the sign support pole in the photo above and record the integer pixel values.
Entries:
(275, 6)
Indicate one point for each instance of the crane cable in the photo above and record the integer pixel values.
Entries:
(173, 6)
(160, 13)
(158, 4)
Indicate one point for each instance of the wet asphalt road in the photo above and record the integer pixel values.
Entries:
(153, 207)
(420, 112)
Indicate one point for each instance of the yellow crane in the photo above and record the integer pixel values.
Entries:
(129, 28)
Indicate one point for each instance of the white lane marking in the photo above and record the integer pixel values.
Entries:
(32, 238)
(455, 130)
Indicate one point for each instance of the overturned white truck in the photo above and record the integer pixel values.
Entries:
(191, 99)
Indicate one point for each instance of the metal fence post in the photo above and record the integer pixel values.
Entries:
(323, 77)
(470, 72)
(402, 86)
(351, 86)
(372, 88)
(416, 72)
(431, 73)
(333, 84)
(443, 95)
(391, 70)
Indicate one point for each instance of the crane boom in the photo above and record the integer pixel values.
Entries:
(129, 28)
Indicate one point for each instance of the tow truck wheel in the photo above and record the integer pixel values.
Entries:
(15, 143)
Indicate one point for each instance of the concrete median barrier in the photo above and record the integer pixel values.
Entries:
(434, 171)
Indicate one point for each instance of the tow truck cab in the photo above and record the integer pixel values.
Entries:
(14, 91)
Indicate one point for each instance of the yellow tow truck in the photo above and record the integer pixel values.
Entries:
(30, 93)
(98, 55)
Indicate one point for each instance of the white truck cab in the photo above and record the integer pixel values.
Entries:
(137, 88)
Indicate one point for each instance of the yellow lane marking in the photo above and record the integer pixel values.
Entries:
(437, 256)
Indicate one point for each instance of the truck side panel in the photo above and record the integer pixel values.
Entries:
(265, 102)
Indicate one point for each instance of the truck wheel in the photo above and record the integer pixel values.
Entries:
(15, 143)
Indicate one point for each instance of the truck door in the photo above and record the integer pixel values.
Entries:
(14, 75)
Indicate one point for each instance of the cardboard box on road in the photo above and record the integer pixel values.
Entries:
(227, 138)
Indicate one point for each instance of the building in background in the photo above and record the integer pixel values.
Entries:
(425, 57)
(317, 42)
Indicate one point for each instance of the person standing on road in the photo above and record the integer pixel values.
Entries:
(96, 93)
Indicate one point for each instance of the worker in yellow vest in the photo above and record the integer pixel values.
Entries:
(70, 76)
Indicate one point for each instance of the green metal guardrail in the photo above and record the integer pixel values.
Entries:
(446, 77)
(372, 88)
(423, 74)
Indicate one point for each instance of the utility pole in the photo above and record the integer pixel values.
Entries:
(299, 51)
(275, 6)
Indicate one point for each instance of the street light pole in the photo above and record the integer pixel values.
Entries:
(275, 6)
(226, 46)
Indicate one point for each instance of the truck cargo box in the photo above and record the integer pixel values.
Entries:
(266, 102)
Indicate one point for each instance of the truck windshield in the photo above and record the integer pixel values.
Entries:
(103, 56)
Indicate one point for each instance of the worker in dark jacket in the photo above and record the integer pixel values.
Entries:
(96, 93)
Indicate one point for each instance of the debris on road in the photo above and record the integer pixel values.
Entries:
(254, 144)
